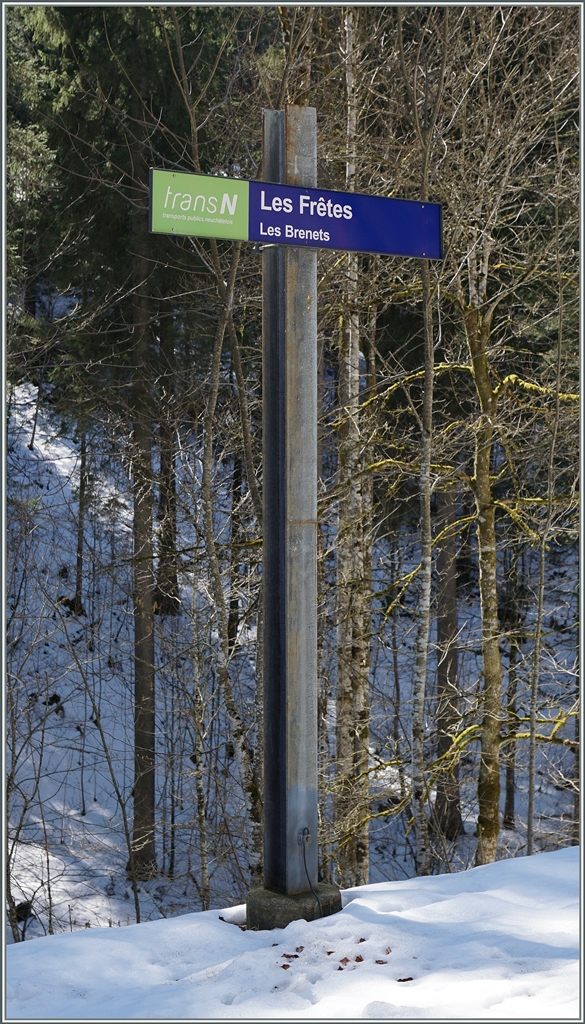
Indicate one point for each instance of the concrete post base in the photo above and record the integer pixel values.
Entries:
(266, 909)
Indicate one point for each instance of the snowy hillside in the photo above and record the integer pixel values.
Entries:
(70, 774)
(499, 942)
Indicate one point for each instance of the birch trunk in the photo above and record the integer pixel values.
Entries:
(78, 598)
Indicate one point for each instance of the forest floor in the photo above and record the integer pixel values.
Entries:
(497, 942)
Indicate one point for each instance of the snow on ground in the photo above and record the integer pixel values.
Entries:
(496, 942)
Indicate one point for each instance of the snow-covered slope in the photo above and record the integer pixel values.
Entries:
(497, 942)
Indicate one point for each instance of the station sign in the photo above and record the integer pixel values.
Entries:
(259, 211)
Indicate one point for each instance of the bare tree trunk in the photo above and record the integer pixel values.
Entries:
(397, 700)
(242, 752)
(143, 855)
(489, 773)
(197, 757)
(201, 815)
(31, 443)
(143, 845)
(166, 594)
(234, 607)
(78, 597)
(419, 795)
(535, 675)
(510, 613)
(324, 683)
(509, 819)
(353, 663)
(259, 696)
(447, 804)
(424, 116)
(488, 790)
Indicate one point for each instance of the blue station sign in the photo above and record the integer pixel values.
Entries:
(344, 220)
(257, 211)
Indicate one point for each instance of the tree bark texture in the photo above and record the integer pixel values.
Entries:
(488, 790)
(419, 794)
(78, 597)
(166, 596)
(509, 820)
(510, 616)
(352, 787)
(197, 759)
(143, 843)
(447, 803)
(143, 856)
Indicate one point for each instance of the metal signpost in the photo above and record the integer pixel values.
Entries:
(289, 389)
(293, 218)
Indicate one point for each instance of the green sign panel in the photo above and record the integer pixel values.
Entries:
(197, 204)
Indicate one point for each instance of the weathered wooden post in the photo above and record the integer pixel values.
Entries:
(289, 387)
